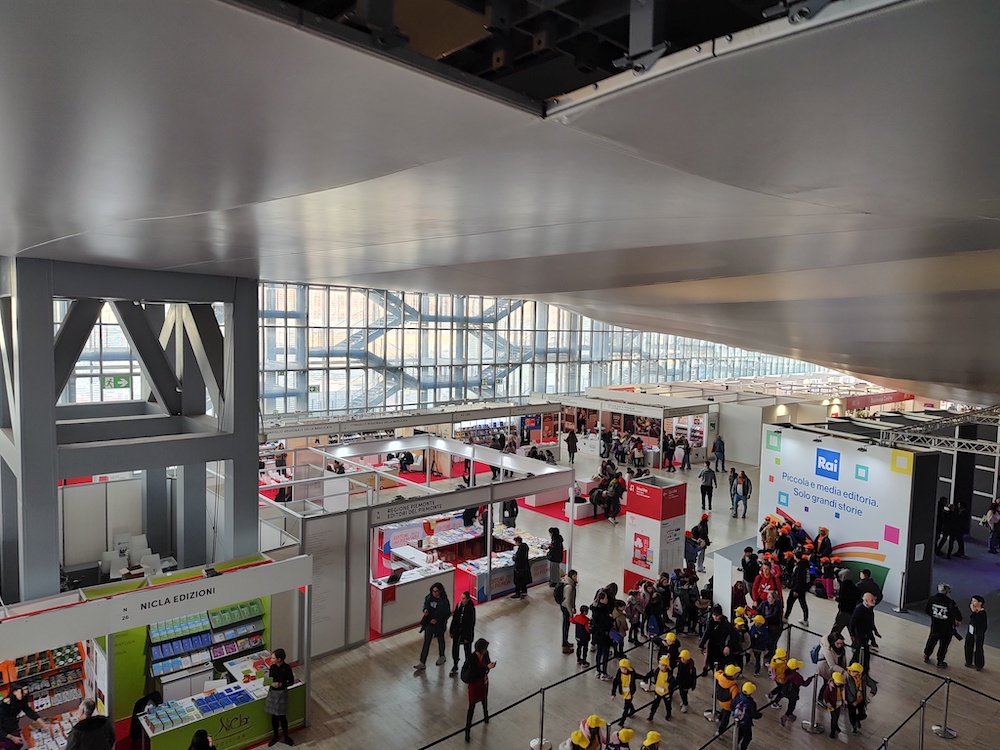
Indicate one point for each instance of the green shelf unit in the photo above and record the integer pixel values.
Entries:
(226, 617)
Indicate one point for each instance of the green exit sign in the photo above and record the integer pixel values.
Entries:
(116, 381)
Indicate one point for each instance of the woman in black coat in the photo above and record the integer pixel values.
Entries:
(522, 569)
(555, 555)
(463, 629)
(434, 623)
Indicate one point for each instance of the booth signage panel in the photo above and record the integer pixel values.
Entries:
(876, 399)
(862, 497)
(142, 607)
(654, 530)
(431, 505)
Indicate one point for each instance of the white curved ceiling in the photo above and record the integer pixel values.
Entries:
(832, 195)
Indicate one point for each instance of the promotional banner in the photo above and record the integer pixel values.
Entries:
(860, 492)
(654, 530)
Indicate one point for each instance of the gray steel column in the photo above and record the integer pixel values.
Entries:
(35, 427)
(10, 584)
(156, 511)
(241, 530)
(190, 520)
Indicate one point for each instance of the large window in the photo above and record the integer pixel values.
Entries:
(332, 350)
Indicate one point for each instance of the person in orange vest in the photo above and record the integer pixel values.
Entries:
(726, 689)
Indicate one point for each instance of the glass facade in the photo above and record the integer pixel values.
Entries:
(337, 350)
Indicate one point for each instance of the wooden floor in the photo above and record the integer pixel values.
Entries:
(371, 697)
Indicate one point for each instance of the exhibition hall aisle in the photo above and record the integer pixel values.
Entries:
(372, 697)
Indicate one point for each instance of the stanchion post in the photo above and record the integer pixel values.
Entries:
(788, 638)
(650, 654)
(901, 607)
(810, 724)
(920, 737)
(736, 737)
(540, 743)
(942, 730)
(711, 713)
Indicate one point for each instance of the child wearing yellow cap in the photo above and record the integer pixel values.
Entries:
(687, 677)
(835, 699)
(626, 683)
(662, 683)
(652, 741)
(619, 740)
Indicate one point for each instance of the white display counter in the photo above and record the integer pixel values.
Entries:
(399, 606)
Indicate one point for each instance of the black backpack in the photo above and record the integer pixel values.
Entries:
(467, 675)
(559, 592)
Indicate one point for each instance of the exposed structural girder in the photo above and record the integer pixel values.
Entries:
(647, 35)
(928, 434)
(185, 360)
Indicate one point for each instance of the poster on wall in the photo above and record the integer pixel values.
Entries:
(861, 493)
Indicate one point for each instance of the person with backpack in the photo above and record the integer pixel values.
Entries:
(834, 697)
(760, 641)
(564, 594)
(687, 677)
(462, 630)
(830, 655)
(700, 533)
(475, 674)
(945, 617)
(555, 555)
(619, 740)
(634, 613)
(662, 683)
(619, 630)
(708, 483)
(745, 712)
(856, 696)
(793, 685)
(726, 690)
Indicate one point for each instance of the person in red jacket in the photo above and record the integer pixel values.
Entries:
(765, 583)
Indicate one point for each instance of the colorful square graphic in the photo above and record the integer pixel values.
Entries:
(783, 499)
(861, 473)
(891, 534)
(777, 461)
(836, 515)
(902, 462)
(773, 442)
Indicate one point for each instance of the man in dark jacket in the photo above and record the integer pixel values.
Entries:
(715, 643)
(462, 629)
(92, 732)
(862, 628)
(798, 589)
(522, 569)
(945, 616)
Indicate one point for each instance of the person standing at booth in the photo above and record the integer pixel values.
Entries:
(91, 732)
(977, 632)
(437, 610)
(463, 629)
(276, 703)
(555, 555)
(571, 445)
(11, 709)
(522, 569)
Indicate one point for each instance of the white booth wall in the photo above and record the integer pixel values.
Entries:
(88, 514)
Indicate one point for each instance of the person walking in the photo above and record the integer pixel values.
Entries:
(708, 483)
(832, 656)
(522, 569)
(834, 697)
(462, 630)
(669, 447)
(437, 610)
(700, 533)
(685, 453)
(948, 530)
(745, 712)
(555, 555)
(571, 445)
(619, 740)
(626, 683)
(715, 642)
(567, 606)
(793, 686)
(276, 703)
(848, 598)
(862, 629)
(742, 489)
(977, 632)
(856, 696)
(687, 677)
(726, 690)
(510, 510)
(92, 732)
(945, 617)
(801, 579)
(663, 684)
(475, 673)
(652, 741)
(719, 449)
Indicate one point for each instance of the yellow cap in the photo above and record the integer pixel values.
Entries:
(671, 637)
(838, 678)
(758, 619)
(685, 654)
(780, 653)
(794, 664)
(732, 670)
(626, 734)
(739, 621)
(579, 739)
(665, 660)
(740, 611)
(651, 739)
(855, 667)
(594, 721)
(748, 688)
(624, 663)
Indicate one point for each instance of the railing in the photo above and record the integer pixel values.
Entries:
(557, 709)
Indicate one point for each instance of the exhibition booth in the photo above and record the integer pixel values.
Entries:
(654, 529)
(878, 503)
(386, 547)
(202, 637)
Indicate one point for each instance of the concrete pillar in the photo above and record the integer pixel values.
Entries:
(156, 521)
(10, 584)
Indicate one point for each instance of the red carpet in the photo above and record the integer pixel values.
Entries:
(557, 511)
